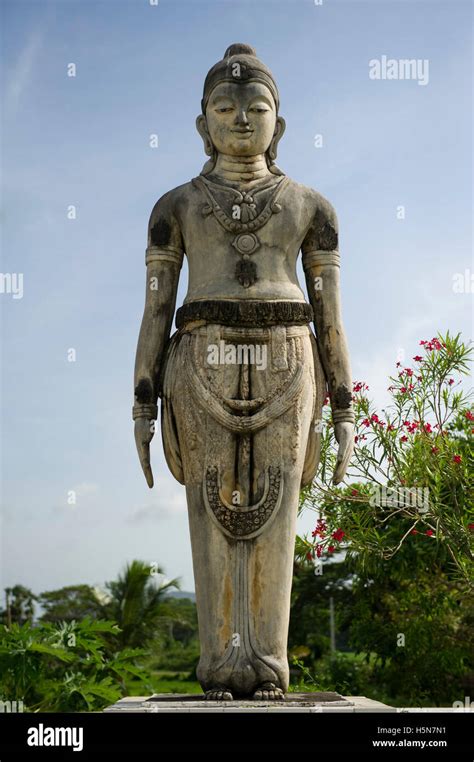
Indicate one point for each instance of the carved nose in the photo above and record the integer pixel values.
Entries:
(242, 117)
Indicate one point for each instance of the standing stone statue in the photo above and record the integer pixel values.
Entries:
(243, 379)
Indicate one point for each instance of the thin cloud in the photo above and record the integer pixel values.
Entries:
(157, 511)
(20, 76)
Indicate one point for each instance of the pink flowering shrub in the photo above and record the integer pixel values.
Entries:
(411, 478)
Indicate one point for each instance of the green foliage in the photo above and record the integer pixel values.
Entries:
(177, 622)
(20, 605)
(423, 449)
(65, 667)
(303, 681)
(85, 652)
(176, 645)
(135, 602)
(71, 603)
(409, 560)
(420, 629)
(308, 637)
(169, 685)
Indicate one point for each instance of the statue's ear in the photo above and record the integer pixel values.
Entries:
(277, 135)
(201, 126)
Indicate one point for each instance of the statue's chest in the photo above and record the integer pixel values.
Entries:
(248, 222)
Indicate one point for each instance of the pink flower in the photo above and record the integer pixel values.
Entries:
(431, 345)
(403, 439)
(451, 381)
(338, 535)
(457, 458)
(319, 530)
(429, 532)
(469, 415)
(331, 549)
(418, 358)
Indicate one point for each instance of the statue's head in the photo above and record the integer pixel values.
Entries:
(240, 108)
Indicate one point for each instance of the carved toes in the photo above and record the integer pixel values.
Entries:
(219, 694)
(268, 692)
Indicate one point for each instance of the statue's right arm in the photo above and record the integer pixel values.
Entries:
(161, 288)
(164, 257)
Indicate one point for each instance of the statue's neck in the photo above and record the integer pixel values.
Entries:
(243, 170)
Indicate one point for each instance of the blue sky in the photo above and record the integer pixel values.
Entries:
(84, 141)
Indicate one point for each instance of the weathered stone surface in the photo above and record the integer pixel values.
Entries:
(305, 703)
(243, 379)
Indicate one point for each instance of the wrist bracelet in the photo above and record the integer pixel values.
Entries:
(345, 415)
(145, 410)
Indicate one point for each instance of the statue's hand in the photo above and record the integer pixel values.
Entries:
(344, 433)
(144, 430)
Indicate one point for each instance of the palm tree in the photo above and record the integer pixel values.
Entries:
(20, 606)
(135, 602)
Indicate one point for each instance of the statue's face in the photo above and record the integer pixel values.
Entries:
(241, 118)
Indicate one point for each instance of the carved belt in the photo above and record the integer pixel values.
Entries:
(251, 314)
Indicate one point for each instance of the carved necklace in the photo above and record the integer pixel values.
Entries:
(244, 221)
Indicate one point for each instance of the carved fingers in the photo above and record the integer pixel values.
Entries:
(144, 431)
(344, 432)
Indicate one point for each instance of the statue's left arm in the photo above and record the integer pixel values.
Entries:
(321, 263)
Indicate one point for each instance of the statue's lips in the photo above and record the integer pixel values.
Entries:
(243, 133)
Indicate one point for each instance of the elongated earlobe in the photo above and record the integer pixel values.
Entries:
(201, 126)
(278, 134)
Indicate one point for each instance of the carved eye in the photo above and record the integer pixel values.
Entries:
(224, 109)
(258, 109)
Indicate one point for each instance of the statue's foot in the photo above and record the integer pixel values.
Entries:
(268, 692)
(219, 694)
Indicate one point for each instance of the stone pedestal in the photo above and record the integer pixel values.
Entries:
(293, 702)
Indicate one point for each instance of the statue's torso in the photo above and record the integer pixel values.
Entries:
(251, 257)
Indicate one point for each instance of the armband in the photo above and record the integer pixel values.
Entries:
(164, 254)
(319, 257)
(343, 416)
(145, 410)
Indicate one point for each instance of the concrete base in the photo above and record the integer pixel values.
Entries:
(293, 702)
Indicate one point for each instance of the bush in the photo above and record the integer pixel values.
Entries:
(404, 523)
(65, 667)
